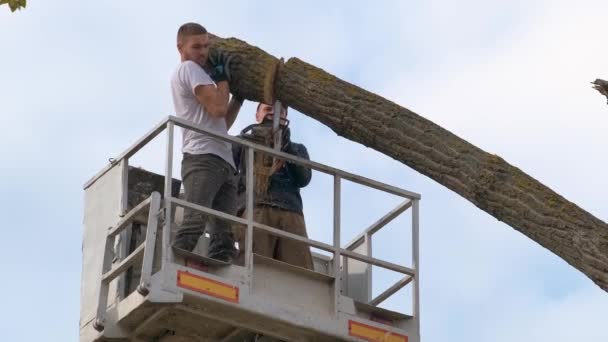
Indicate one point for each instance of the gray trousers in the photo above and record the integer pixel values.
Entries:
(208, 181)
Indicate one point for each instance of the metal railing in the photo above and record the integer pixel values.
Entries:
(169, 202)
(144, 253)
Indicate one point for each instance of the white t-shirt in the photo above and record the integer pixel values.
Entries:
(185, 79)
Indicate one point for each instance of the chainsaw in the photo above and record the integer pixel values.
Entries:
(264, 166)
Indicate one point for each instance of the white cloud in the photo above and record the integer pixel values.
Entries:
(580, 316)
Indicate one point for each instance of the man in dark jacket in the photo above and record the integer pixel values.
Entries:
(280, 206)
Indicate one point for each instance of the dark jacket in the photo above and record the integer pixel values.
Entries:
(285, 183)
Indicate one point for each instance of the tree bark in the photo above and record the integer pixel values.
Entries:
(253, 70)
(486, 180)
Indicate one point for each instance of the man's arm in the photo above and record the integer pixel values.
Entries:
(233, 110)
(301, 174)
(214, 98)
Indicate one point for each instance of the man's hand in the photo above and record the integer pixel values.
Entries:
(286, 140)
(220, 67)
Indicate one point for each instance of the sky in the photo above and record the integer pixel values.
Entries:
(81, 81)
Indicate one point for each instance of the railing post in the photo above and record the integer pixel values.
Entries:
(416, 262)
(124, 237)
(124, 184)
(102, 302)
(169, 161)
(150, 244)
(336, 243)
(368, 252)
(249, 214)
(276, 119)
(168, 218)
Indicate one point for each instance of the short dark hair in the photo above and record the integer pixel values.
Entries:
(282, 106)
(190, 29)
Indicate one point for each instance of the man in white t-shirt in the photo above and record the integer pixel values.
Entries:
(208, 173)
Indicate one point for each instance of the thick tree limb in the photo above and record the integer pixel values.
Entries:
(253, 70)
(486, 180)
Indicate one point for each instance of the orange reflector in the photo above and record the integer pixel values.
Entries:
(373, 334)
(208, 286)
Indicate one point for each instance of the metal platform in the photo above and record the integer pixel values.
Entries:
(137, 287)
(284, 301)
(203, 260)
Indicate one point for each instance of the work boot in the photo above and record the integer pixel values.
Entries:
(221, 247)
(185, 243)
(262, 338)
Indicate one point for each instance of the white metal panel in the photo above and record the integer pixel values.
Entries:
(305, 290)
(358, 284)
(102, 209)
